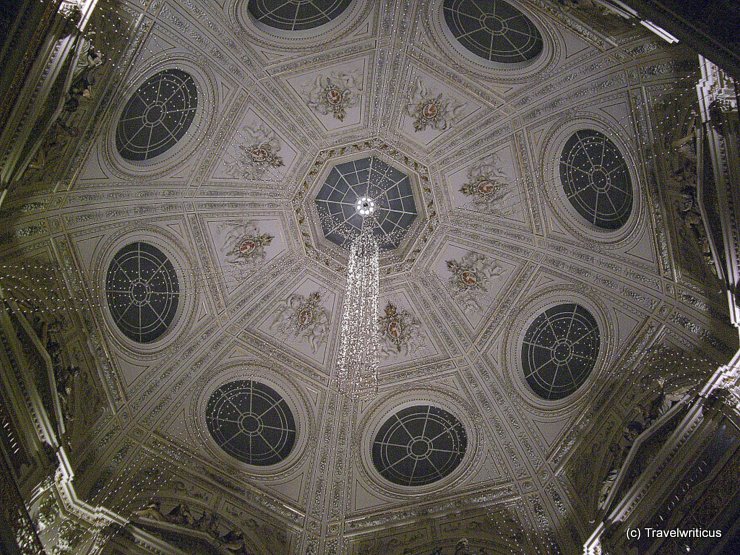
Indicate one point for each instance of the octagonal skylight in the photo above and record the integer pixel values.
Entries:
(366, 189)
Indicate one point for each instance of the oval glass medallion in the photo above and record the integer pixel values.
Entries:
(142, 292)
(419, 445)
(251, 422)
(559, 350)
(157, 116)
(296, 15)
(596, 180)
(493, 30)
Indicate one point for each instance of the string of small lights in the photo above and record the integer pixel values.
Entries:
(66, 526)
(358, 359)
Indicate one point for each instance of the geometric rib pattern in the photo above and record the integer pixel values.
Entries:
(419, 445)
(251, 422)
(493, 30)
(596, 180)
(142, 291)
(390, 189)
(296, 15)
(559, 350)
(157, 116)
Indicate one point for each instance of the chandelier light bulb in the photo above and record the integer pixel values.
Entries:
(365, 206)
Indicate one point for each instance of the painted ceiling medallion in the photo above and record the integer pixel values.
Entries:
(470, 277)
(334, 94)
(246, 246)
(428, 110)
(303, 318)
(399, 331)
(488, 186)
(249, 246)
(257, 156)
(356, 189)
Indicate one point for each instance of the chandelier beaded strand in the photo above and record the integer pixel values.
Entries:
(357, 364)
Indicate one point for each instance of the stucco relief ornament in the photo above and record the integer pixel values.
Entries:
(257, 155)
(487, 185)
(247, 245)
(438, 112)
(334, 94)
(469, 279)
(644, 416)
(303, 318)
(399, 331)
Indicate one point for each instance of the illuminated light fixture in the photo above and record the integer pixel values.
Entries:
(620, 8)
(662, 33)
(365, 206)
(357, 364)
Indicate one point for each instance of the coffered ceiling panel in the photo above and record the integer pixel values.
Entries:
(242, 247)
(337, 95)
(472, 280)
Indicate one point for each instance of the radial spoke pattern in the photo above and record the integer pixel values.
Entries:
(596, 180)
(371, 178)
(419, 445)
(157, 116)
(142, 292)
(493, 29)
(296, 15)
(251, 422)
(559, 350)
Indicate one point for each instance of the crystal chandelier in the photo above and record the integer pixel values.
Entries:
(357, 366)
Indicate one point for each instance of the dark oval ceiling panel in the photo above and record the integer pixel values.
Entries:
(419, 445)
(559, 350)
(493, 30)
(142, 292)
(157, 116)
(296, 15)
(251, 422)
(596, 180)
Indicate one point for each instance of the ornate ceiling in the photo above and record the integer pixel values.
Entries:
(542, 256)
